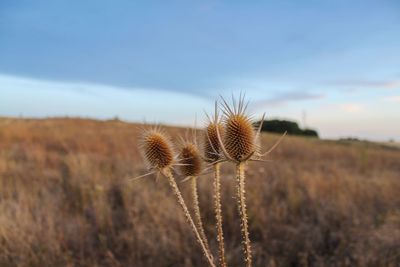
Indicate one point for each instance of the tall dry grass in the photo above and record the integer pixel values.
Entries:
(65, 201)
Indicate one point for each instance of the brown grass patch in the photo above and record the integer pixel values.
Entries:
(65, 201)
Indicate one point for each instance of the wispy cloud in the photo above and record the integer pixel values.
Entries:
(350, 107)
(42, 98)
(393, 98)
(284, 98)
(358, 84)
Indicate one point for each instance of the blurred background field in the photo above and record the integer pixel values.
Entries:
(327, 72)
(66, 200)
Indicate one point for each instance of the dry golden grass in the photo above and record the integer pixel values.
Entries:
(65, 200)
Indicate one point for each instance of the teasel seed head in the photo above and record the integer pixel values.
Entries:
(190, 160)
(240, 137)
(157, 150)
(239, 142)
(212, 148)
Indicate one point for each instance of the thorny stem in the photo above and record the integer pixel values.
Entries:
(218, 215)
(197, 214)
(240, 180)
(189, 219)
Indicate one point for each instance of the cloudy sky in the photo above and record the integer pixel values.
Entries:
(331, 65)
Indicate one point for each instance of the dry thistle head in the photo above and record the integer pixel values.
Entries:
(239, 139)
(212, 148)
(157, 150)
(190, 160)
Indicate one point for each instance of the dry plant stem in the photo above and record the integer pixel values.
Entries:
(197, 214)
(240, 180)
(181, 202)
(218, 214)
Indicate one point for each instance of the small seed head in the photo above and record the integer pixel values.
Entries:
(157, 150)
(212, 148)
(239, 138)
(190, 159)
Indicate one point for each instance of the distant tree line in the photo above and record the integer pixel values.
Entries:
(280, 126)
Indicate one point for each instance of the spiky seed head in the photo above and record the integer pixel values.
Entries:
(190, 160)
(157, 150)
(239, 138)
(212, 148)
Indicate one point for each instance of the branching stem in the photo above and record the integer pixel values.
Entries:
(197, 214)
(218, 215)
(189, 219)
(241, 191)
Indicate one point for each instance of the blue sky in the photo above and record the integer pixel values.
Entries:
(338, 62)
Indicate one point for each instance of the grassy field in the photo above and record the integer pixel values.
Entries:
(66, 200)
